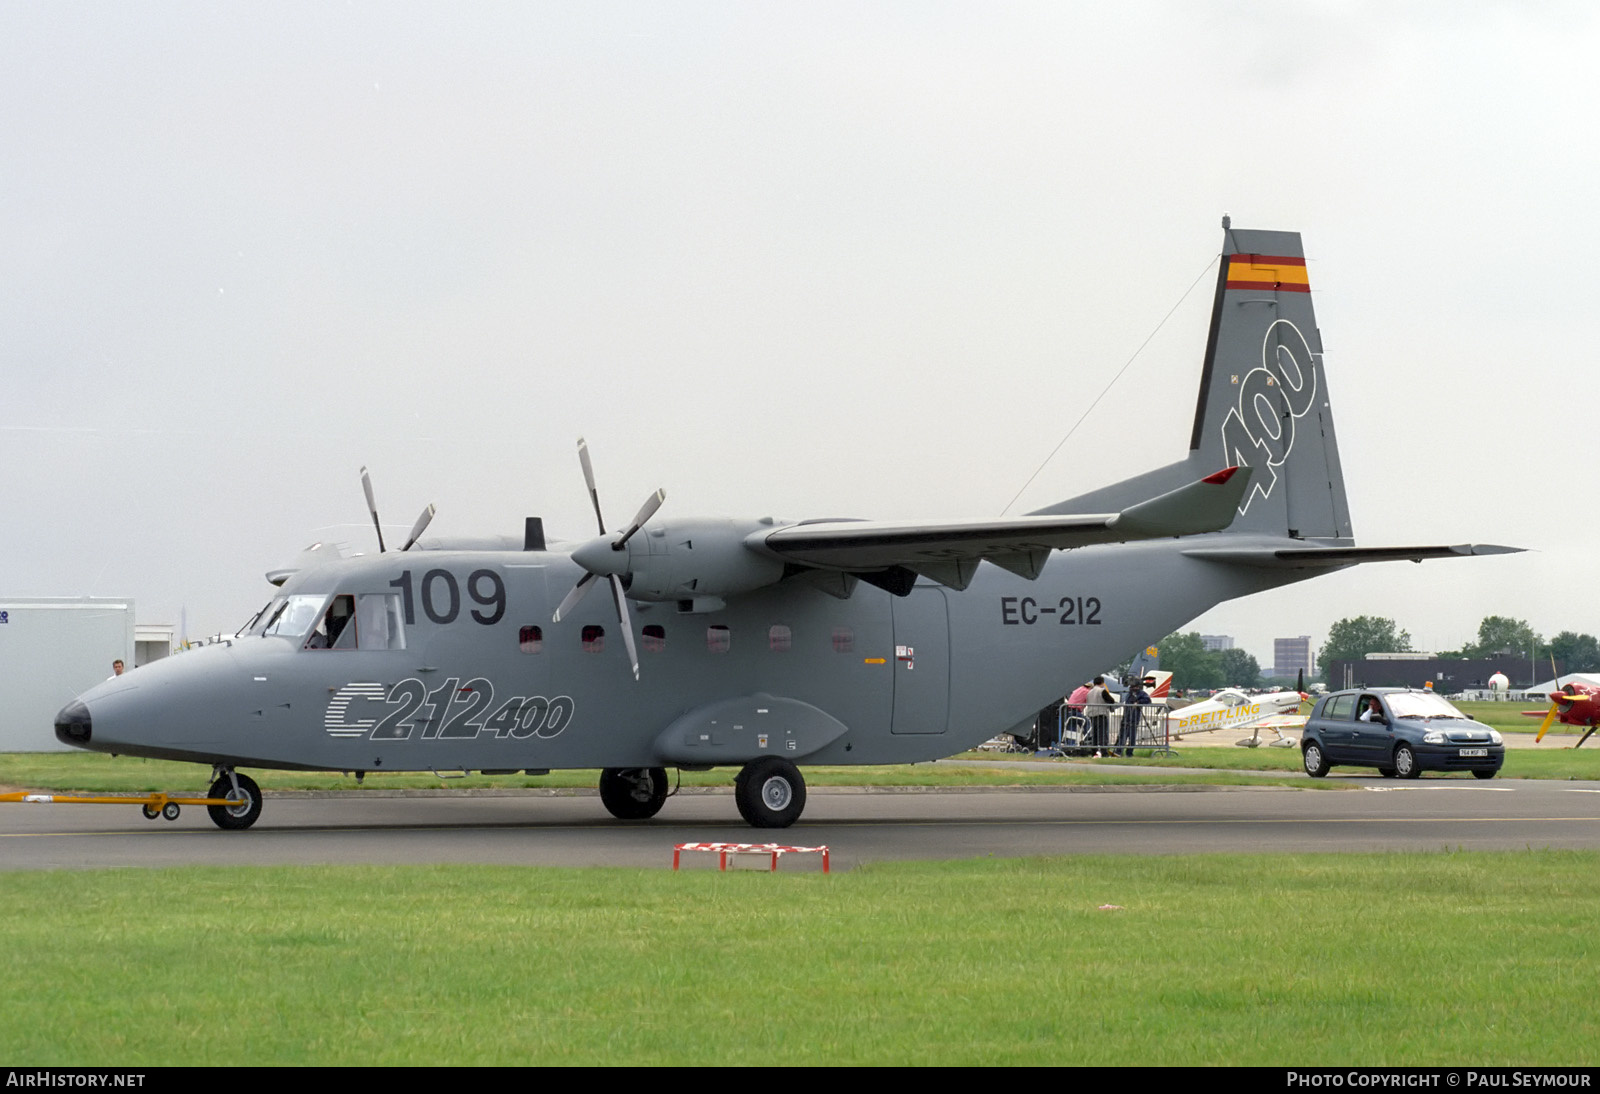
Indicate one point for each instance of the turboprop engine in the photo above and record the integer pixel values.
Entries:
(685, 559)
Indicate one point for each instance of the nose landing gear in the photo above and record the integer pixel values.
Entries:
(234, 787)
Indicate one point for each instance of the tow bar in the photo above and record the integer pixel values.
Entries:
(152, 805)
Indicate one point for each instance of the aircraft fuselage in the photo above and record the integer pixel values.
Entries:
(486, 681)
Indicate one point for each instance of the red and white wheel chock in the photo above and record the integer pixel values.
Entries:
(723, 850)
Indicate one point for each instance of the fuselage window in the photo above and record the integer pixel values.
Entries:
(594, 638)
(779, 638)
(844, 640)
(530, 640)
(719, 639)
(655, 638)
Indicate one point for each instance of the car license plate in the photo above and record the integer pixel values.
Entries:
(1474, 752)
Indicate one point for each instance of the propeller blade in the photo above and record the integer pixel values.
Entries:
(1544, 726)
(416, 529)
(627, 623)
(572, 598)
(646, 511)
(372, 506)
(588, 480)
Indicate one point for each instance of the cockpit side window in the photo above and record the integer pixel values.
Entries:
(379, 625)
(335, 628)
(368, 621)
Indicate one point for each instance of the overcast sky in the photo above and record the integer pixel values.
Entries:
(800, 259)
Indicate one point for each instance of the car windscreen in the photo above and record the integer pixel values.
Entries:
(1420, 704)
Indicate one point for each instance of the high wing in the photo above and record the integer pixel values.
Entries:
(949, 551)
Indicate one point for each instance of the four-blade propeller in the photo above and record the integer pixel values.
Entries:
(372, 507)
(607, 557)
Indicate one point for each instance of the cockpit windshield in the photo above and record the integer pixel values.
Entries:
(295, 617)
(259, 621)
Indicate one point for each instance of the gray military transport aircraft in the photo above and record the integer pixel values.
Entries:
(765, 644)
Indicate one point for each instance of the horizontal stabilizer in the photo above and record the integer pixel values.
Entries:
(1327, 558)
(948, 552)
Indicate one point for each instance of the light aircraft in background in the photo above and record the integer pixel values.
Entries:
(1233, 709)
(762, 644)
(1575, 704)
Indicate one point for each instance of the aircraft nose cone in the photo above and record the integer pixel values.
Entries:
(597, 557)
(73, 724)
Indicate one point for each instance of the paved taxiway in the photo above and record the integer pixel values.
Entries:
(533, 828)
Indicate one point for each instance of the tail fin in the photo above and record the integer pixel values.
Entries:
(1263, 400)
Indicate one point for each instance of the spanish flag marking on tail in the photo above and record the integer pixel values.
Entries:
(1272, 273)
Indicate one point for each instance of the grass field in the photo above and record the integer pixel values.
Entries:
(1449, 958)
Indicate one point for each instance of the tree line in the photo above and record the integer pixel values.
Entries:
(1194, 667)
(1498, 636)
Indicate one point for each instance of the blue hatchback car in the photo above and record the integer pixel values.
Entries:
(1399, 731)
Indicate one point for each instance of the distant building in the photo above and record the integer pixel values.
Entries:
(1217, 641)
(51, 650)
(1292, 655)
(1447, 675)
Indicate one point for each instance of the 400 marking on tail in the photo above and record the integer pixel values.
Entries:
(453, 711)
(1260, 431)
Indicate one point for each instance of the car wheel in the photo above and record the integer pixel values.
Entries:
(1483, 773)
(1386, 772)
(1405, 763)
(1316, 760)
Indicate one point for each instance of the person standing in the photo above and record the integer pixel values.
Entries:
(1134, 700)
(1098, 710)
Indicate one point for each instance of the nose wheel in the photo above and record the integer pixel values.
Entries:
(238, 788)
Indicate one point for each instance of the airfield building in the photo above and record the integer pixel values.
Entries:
(1447, 675)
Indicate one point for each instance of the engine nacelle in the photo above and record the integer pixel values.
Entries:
(686, 559)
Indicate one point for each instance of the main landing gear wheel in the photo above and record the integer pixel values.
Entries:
(633, 793)
(770, 793)
(235, 817)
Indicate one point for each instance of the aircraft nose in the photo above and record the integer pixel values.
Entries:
(73, 724)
